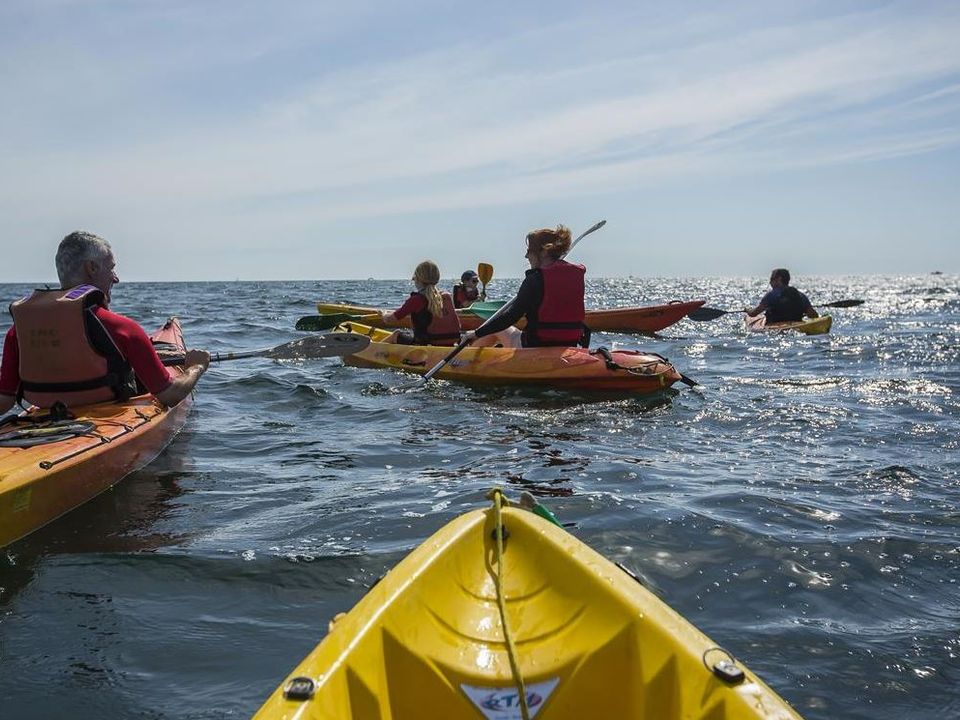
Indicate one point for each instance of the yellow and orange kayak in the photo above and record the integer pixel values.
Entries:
(562, 368)
(49, 467)
(629, 319)
(808, 326)
(464, 622)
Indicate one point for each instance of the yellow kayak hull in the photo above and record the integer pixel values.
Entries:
(590, 642)
(562, 368)
(808, 326)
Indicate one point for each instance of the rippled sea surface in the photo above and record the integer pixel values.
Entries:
(802, 507)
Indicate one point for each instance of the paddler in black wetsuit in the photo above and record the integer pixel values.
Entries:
(783, 303)
(550, 298)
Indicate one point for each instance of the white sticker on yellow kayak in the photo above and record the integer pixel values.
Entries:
(503, 703)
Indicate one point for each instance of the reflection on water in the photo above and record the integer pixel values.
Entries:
(125, 519)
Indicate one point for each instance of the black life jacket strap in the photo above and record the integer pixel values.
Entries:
(108, 380)
(533, 329)
(120, 376)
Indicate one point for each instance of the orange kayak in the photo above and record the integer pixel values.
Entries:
(626, 371)
(51, 466)
(629, 319)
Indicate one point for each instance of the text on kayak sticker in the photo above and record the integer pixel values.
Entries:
(503, 703)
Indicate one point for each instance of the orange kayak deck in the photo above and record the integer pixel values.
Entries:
(39, 483)
(629, 319)
(562, 368)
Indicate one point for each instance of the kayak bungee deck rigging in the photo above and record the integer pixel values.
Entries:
(564, 368)
(42, 478)
(502, 615)
(630, 319)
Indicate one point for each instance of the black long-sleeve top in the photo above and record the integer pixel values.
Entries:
(525, 304)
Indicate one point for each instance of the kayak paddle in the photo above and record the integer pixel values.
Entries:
(325, 322)
(308, 348)
(466, 341)
(707, 313)
(843, 303)
(485, 273)
(582, 236)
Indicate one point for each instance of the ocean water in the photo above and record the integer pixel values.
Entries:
(801, 507)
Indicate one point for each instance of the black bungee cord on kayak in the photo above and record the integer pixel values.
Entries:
(640, 369)
(56, 425)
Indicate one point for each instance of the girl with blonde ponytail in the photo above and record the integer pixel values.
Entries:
(427, 277)
(431, 312)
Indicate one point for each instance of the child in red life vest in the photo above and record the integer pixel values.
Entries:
(431, 312)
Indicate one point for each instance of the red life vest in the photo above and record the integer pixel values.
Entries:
(66, 354)
(561, 313)
(462, 296)
(443, 330)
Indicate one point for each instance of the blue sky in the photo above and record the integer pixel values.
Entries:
(302, 139)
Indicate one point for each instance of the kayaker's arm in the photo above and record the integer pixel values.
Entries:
(527, 300)
(196, 363)
(414, 303)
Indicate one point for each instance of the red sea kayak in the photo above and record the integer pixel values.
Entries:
(628, 319)
(51, 466)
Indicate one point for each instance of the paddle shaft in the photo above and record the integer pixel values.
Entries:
(582, 236)
(315, 346)
(218, 357)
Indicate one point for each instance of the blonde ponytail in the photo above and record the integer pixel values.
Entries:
(427, 274)
(434, 301)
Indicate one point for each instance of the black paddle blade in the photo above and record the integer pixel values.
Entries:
(319, 346)
(703, 314)
(844, 303)
(321, 322)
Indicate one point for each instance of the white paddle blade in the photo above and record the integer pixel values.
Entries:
(318, 346)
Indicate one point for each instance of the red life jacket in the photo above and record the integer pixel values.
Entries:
(443, 330)
(66, 354)
(561, 313)
(461, 296)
